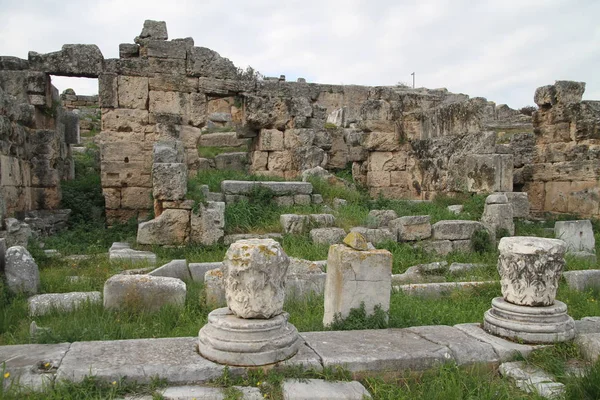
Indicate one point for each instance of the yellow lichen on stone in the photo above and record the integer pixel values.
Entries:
(356, 241)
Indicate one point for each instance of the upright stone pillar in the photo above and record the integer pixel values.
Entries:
(253, 329)
(530, 269)
(356, 275)
(498, 214)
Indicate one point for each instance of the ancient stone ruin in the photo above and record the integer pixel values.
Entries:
(252, 329)
(400, 142)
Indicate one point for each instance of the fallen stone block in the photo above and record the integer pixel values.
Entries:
(174, 269)
(380, 218)
(208, 393)
(437, 267)
(303, 267)
(199, 270)
(506, 349)
(459, 268)
(302, 285)
(120, 251)
(456, 209)
(317, 389)
(589, 345)
(143, 292)
(207, 223)
(587, 325)
(530, 378)
(375, 236)
(43, 304)
(294, 223)
(228, 239)
(583, 280)
(438, 289)
(278, 188)
(172, 227)
(439, 247)
(327, 235)
(22, 362)
(455, 229)
(411, 228)
(578, 235)
(214, 289)
(21, 271)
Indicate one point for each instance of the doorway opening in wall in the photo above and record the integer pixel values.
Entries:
(80, 94)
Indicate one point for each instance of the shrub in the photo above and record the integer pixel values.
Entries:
(481, 241)
(528, 110)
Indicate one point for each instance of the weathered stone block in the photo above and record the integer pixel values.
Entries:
(171, 227)
(156, 30)
(205, 62)
(411, 228)
(21, 271)
(133, 92)
(84, 60)
(163, 49)
(199, 270)
(439, 247)
(327, 235)
(213, 287)
(294, 223)
(355, 277)
(231, 161)
(124, 120)
(583, 280)
(168, 152)
(455, 229)
(173, 269)
(520, 203)
(173, 83)
(375, 236)
(43, 304)
(129, 50)
(578, 235)
(136, 198)
(143, 292)
(169, 181)
(270, 140)
(380, 218)
(488, 172)
(207, 224)
(382, 141)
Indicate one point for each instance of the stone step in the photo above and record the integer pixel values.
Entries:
(209, 393)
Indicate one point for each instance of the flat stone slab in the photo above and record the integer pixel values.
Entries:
(279, 188)
(174, 359)
(42, 304)
(32, 365)
(318, 389)
(583, 280)
(377, 350)
(465, 349)
(588, 325)
(207, 393)
(438, 289)
(505, 349)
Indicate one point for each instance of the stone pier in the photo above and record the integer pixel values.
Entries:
(530, 269)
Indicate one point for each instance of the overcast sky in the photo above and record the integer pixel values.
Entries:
(498, 49)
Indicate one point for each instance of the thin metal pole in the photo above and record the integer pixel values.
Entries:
(413, 75)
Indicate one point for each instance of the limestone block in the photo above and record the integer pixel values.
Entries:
(294, 138)
(584, 198)
(520, 203)
(207, 223)
(42, 304)
(284, 201)
(375, 236)
(294, 223)
(172, 227)
(578, 235)
(124, 120)
(231, 161)
(279, 188)
(463, 246)
(302, 199)
(354, 277)
(156, 30)
(455, 229)
(382, 141)
(222, 139)
(279, 161)
(168, 152)
(327, 235)
(118, 174)
(378, 179)
(498, 214)
(169, 181)
(318, 389)
(199, 270)
(218, 86)
(121, 251)
(162, 49)
(129, 50)
(173, 83)
(133, 92)
(85, 60)
(135, 198)
(208, 63)
(411, 228)
(589, 345)
(381, 218)
(557, 196)
(253, 275)
(583, 280)
(270, 140)
(259, 160)
(387, 161)
(173, 269)
(143, 292)
(214, 289)
(488, 172)
(21, 271)
(439, 247)
(530, 269)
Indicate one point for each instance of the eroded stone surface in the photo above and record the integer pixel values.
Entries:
(21, 271)
(578, 235)
(143, 292)
(254, 273)
(355, 277)
(530, 268)
(318, 389)
(42, 304)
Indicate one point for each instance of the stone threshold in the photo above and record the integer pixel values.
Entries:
(177, 360)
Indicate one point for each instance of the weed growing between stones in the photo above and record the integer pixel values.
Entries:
(358, 319)
(481, 241)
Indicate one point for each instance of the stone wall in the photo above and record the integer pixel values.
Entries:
(565, 168)
(400, 142)
(35, 133)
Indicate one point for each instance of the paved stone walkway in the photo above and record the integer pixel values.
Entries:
(177, 359)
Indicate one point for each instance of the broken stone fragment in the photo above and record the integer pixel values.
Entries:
(356, 241)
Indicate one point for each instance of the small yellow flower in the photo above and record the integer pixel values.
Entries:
(259, 383)
(47, 365)
(7, 375)
(114, 382)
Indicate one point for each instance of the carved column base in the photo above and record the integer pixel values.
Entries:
(549, 324)
(228, 339)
